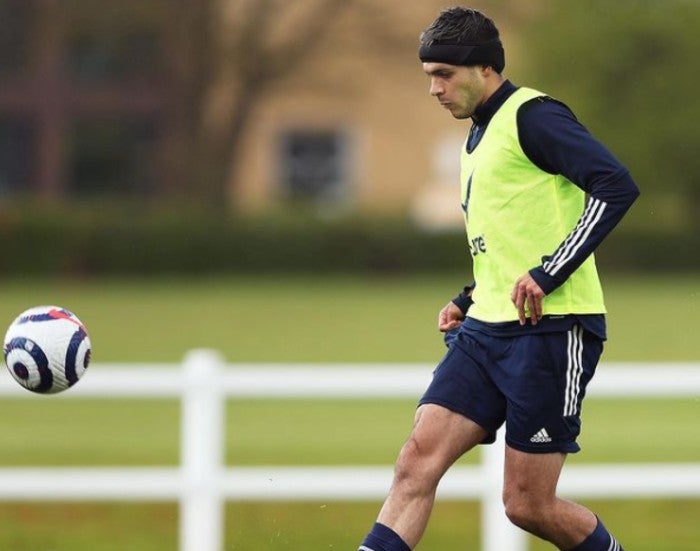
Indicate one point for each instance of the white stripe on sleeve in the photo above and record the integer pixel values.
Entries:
(591, 216)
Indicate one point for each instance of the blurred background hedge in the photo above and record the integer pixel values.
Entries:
(103, 240)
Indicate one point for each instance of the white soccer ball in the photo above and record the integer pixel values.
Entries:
(47, 349)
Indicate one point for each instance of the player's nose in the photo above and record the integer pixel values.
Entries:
(436, 89)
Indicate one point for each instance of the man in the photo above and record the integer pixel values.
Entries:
(525, 338)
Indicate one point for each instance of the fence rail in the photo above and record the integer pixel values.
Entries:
(201, 484)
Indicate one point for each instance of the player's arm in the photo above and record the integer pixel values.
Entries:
(555, 141)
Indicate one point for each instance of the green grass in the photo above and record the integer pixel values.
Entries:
(317, 320)
(653, 318)
(642, 525)
(88, 527)
(277, 432)
(302, 319)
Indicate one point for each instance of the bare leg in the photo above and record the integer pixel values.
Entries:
(438, 439)
(529, 496)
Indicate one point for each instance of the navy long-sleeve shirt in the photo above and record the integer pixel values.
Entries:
(557, 143)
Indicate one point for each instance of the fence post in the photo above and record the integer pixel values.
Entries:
(202, 438)
(497, 532)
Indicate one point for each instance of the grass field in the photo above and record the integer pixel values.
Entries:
(317, 320)
(291, 319)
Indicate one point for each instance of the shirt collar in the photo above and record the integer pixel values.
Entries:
(483, 113)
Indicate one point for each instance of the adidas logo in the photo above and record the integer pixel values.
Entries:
(541, 437)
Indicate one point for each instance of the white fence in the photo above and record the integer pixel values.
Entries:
(202, 483)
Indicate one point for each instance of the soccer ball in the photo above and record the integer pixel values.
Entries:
(47, 349)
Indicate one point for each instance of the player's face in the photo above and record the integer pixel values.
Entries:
(459, 89)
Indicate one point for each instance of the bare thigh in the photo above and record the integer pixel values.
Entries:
(441, 436)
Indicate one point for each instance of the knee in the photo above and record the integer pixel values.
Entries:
(417, 466)
(525, 511)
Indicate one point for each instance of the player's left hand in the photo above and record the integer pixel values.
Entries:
(527, 293)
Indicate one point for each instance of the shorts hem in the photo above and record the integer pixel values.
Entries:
(567, 447)
(490, 438)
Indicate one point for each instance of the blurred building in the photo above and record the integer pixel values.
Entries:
(84, 107)
(92, 96)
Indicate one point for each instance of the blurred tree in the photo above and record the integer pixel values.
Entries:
(627, 68)
(231, 56)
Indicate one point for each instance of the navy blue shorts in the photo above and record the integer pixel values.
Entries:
(535, 383)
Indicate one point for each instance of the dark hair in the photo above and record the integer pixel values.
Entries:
(459, 25)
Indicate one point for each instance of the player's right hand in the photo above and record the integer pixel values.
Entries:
(450, 317)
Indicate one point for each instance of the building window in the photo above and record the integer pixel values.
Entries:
(314, 164)
(113, 157)
(99, 57)
(16, 26)
(17, 153)
(113, 41)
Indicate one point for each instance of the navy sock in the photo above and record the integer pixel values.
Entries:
(599, 540)
(383, 538)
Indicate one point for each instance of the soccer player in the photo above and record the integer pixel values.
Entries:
(539, 194)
